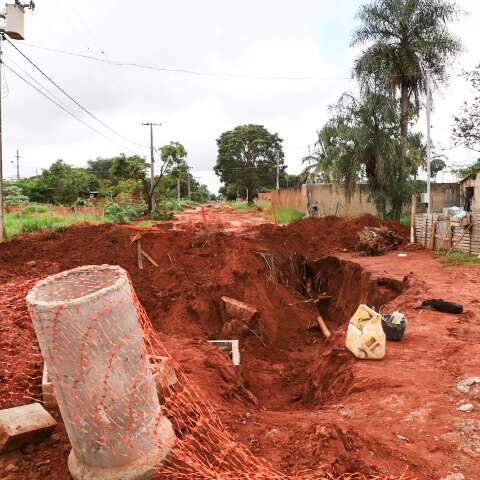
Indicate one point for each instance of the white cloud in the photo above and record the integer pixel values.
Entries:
(263, 38)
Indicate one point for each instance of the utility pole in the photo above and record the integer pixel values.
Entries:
(18, 157)
(429, 143)
(13, 27)
(2, 231)
(278, 170)
(189, 187)
(152, 164)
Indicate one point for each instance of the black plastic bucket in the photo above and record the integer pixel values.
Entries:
(393, 331)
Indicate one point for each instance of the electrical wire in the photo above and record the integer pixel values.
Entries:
(78, 104)
(34, 80)
(59, 105)
(187, 71)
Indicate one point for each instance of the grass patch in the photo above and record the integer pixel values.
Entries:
(288, 215)
(285, 215)
(43, 222)
(243, 206)
(458, 258)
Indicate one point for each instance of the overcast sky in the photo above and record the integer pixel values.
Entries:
(261, 38)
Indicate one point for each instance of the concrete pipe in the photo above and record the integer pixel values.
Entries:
(89, 334)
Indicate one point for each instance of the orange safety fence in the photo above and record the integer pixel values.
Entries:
(203, 449)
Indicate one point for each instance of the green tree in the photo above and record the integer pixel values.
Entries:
(404, 40)
(101, 168)
(60, 184)
(247, 159)
(466, 131)
(174, 162)
(361, 144)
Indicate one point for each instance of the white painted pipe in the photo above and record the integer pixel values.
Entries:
(89, 334)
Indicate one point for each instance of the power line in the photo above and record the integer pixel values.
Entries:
(188, 71)
(34, 80)
(79, 105)
(59, 105)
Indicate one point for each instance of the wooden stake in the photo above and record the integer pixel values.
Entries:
(434, 233)
(139, 254)
(323, 327)
(149, 258)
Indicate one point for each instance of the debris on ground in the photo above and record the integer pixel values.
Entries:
(465, 384)
(454, 476)
(466, 407)
(443, 306)
(374, 241)
(237, 317)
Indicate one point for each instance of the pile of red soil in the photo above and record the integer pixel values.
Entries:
(329, 234)
(281, 368)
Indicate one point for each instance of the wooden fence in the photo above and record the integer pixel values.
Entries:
(439, 233)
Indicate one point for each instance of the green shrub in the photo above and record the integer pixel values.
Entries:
(118, 214)
(162, 215)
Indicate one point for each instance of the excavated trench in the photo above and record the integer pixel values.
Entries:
(305, 370)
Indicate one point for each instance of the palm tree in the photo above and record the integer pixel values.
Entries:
(405, 40)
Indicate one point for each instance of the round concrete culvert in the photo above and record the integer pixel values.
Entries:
(87, 326)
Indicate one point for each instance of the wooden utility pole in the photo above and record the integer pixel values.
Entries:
(152, 164)
(189, 188)
(429, 143)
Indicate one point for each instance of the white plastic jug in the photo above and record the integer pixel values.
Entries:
(365, 336)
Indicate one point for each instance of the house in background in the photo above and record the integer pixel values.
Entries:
(445, 195)
(470, 193)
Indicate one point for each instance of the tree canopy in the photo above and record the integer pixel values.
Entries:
(361, 144)
(247, 159)
(466, 131)
(405, 40)
(61, 184)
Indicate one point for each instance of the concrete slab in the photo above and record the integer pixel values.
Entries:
(22, 425)
(238, 310)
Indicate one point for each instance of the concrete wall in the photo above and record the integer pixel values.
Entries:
(294, 198)
(329, 198)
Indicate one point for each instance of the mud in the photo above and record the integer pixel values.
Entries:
(297, 400)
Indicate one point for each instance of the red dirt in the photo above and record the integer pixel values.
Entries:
(297, 401)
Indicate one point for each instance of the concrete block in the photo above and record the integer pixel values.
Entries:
(22, 425)
(164, 374)
(238, 310)
(48, 393)
(232, 347)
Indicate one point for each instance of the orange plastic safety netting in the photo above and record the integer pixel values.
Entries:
(103, 356)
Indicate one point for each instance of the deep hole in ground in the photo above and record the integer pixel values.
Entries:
(286, 361)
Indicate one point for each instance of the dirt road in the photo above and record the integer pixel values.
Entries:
(297, 400)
